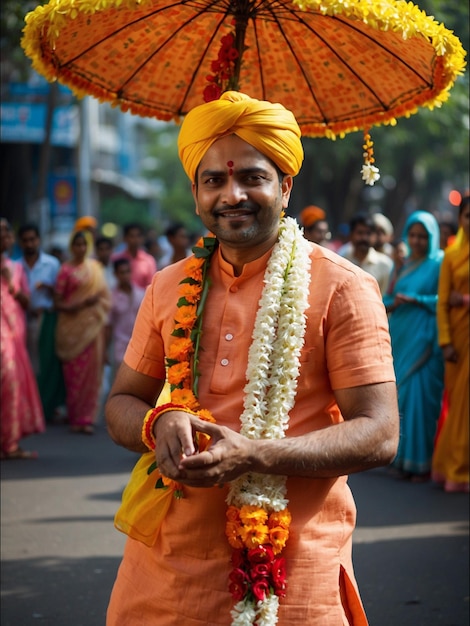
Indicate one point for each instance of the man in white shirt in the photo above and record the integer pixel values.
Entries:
(363, 253)
(41, 270)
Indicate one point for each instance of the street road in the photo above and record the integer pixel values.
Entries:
(60, 551)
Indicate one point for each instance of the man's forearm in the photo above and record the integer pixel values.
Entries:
(124, 417)
(344, 448)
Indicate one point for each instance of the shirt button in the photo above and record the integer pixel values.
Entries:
(229, 336)
(224, 362)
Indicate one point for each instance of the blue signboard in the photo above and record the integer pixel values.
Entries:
(63, 200)
(26, 123)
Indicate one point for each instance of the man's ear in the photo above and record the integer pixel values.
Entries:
(286, 188)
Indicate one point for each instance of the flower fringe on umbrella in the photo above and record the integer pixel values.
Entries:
(408, 20)
(401, 17)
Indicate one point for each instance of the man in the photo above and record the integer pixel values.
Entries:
(125, 302)
(143, 265)
(338, 408)
(41, 270)
(316, 229)
(383, 234)
(363, 253)
(103, 251)
(178, 239)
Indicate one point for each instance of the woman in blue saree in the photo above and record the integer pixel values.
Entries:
(419, 366)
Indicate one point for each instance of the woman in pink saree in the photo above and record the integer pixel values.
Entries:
(21, 408)
(83, 301)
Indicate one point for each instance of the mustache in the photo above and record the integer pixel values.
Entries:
(247, 206)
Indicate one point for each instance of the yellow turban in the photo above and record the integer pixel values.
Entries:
(311, 214)
(270, 128)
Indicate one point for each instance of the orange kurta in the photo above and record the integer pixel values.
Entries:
(183, 579)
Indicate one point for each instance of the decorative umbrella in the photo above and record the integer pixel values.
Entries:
(339, 65)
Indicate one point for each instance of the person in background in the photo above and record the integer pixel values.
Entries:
(364, 255)
(143, 264)
(21, 409)
(103, 252)
(399, 253)
(179, 240)
(315, 225)
(125, 302)
(383, 233)
(41, 270)
(341, 242)
(292, 388)
(450, 462)
(418, 361)
(58, 253)
(89, 224)
(83, 301)
(448, 231)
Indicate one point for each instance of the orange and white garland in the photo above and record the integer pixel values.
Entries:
(257, 516)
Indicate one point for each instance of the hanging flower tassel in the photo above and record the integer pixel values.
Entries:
(370, 173)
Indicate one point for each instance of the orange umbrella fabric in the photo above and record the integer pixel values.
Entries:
(338, 65)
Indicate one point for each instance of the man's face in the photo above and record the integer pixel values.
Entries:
(29, 242)
(134, 239)
(103, 252)
(318, 232)
(381, 237)
(123, 275)
(362, 237)
(238, 194)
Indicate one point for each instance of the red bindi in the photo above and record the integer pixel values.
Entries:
(230, 166)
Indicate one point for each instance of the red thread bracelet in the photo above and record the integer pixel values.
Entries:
(148, 437)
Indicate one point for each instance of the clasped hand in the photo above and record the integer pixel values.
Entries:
(227, 456)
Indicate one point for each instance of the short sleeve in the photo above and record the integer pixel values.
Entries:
(358, 346)
(145, 351)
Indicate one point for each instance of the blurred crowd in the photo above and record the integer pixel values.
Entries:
(67, 316)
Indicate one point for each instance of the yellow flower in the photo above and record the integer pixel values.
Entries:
(278, 537)
(232, 530)
(253, 515)
(254, 535)
(232, 513)
(280, 518)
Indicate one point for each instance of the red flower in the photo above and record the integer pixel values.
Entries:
(261, 554)
(212, 92)
(260, 589)
(260, 570)
(238, 585)
(278, 575)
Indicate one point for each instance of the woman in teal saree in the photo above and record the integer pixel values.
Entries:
(418, 361)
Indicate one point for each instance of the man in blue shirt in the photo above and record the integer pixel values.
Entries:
(41, 270)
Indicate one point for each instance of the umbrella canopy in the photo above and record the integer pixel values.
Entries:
(339, 65)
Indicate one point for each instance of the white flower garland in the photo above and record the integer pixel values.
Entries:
(272, 372)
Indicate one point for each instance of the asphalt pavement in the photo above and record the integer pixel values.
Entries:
(60, 551)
